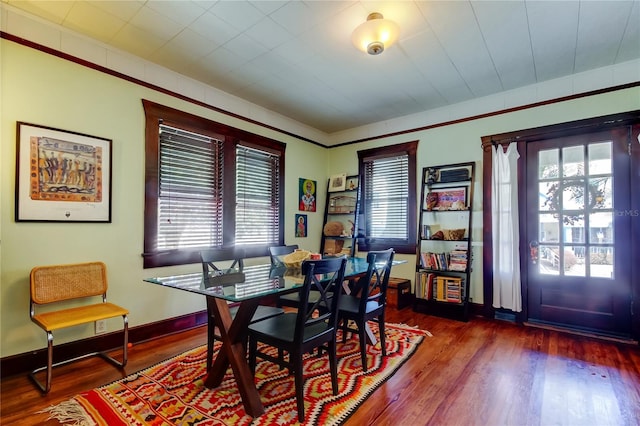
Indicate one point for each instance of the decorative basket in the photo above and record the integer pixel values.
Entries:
(295, 259)
(333, 229)
(453, 234)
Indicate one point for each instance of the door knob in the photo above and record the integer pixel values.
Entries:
(533, 251)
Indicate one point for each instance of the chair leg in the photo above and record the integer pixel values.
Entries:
(345, 329)
(363, 346)
(299, 382)
(333, 365)
(49, 360)
(46, 387)
(125, 345)
(382, 334)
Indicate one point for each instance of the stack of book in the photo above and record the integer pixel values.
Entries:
(458, 260)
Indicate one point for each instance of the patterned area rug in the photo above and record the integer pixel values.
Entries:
(172, 392)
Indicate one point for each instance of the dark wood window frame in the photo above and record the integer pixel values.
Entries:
(405, 246)
(157, 114)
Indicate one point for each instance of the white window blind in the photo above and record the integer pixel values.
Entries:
(386, 196)
(190, 197)
(257, 196)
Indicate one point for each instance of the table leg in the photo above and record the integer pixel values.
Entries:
(233, 352)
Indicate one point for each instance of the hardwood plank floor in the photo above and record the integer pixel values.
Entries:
(477, 373)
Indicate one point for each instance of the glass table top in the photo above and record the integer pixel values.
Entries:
(252, 281)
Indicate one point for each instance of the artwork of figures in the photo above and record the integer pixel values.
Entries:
(67, 171)
(62, 176)
(301, 225)
(307, 190)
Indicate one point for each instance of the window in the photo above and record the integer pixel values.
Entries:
(257, 196)
(208, 185)
(389, 197)
(190, 200)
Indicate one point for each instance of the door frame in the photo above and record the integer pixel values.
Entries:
(522, 137)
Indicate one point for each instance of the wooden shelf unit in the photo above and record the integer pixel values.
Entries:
(443, 257)
(344, 207)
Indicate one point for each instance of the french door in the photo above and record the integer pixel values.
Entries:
(578, 231)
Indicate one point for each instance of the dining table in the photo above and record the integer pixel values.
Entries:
(244, 288)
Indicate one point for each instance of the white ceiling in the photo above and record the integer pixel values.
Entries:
(296, 57)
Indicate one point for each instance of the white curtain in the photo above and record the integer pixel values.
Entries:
(506, 239)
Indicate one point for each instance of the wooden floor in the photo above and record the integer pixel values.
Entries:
(476, 373)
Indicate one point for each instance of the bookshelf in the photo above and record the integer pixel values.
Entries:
(342, 207)
(443, 259)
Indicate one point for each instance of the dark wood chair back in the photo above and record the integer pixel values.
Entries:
(320, 276)
(373, 285)
(275, 251)
(209, 258)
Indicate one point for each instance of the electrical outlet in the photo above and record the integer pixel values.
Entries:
(101, 326)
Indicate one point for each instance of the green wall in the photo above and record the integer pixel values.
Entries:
(462, 142)
(42, 89)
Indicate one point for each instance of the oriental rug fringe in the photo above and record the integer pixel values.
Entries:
(172, 392)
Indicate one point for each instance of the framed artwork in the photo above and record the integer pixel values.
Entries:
(62, 176)
(338, 182)
(446, 199)
(307, 195)
(352, 183)
(301, 225)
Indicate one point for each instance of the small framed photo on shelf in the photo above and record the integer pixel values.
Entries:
(338, 182)
(446, 199)
(352, 183)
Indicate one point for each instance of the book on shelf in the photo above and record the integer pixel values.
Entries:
(435, 261)
(455, 260)
(458, 260)
(449, 289)
(424, 285)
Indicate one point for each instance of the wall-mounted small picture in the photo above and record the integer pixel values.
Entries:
(446, 199)
(301, 225)
(338, 182)
(307, 197)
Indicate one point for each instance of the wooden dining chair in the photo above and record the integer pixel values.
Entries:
(298, 333)
(236, 256)
(367, 301)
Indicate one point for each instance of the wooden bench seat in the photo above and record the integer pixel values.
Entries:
(51, 285)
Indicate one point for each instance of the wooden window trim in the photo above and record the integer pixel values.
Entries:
(156, 114)
(408, 246)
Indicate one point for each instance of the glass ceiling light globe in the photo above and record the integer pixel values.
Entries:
(375, 35)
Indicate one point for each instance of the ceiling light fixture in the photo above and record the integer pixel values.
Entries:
(375, 35)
